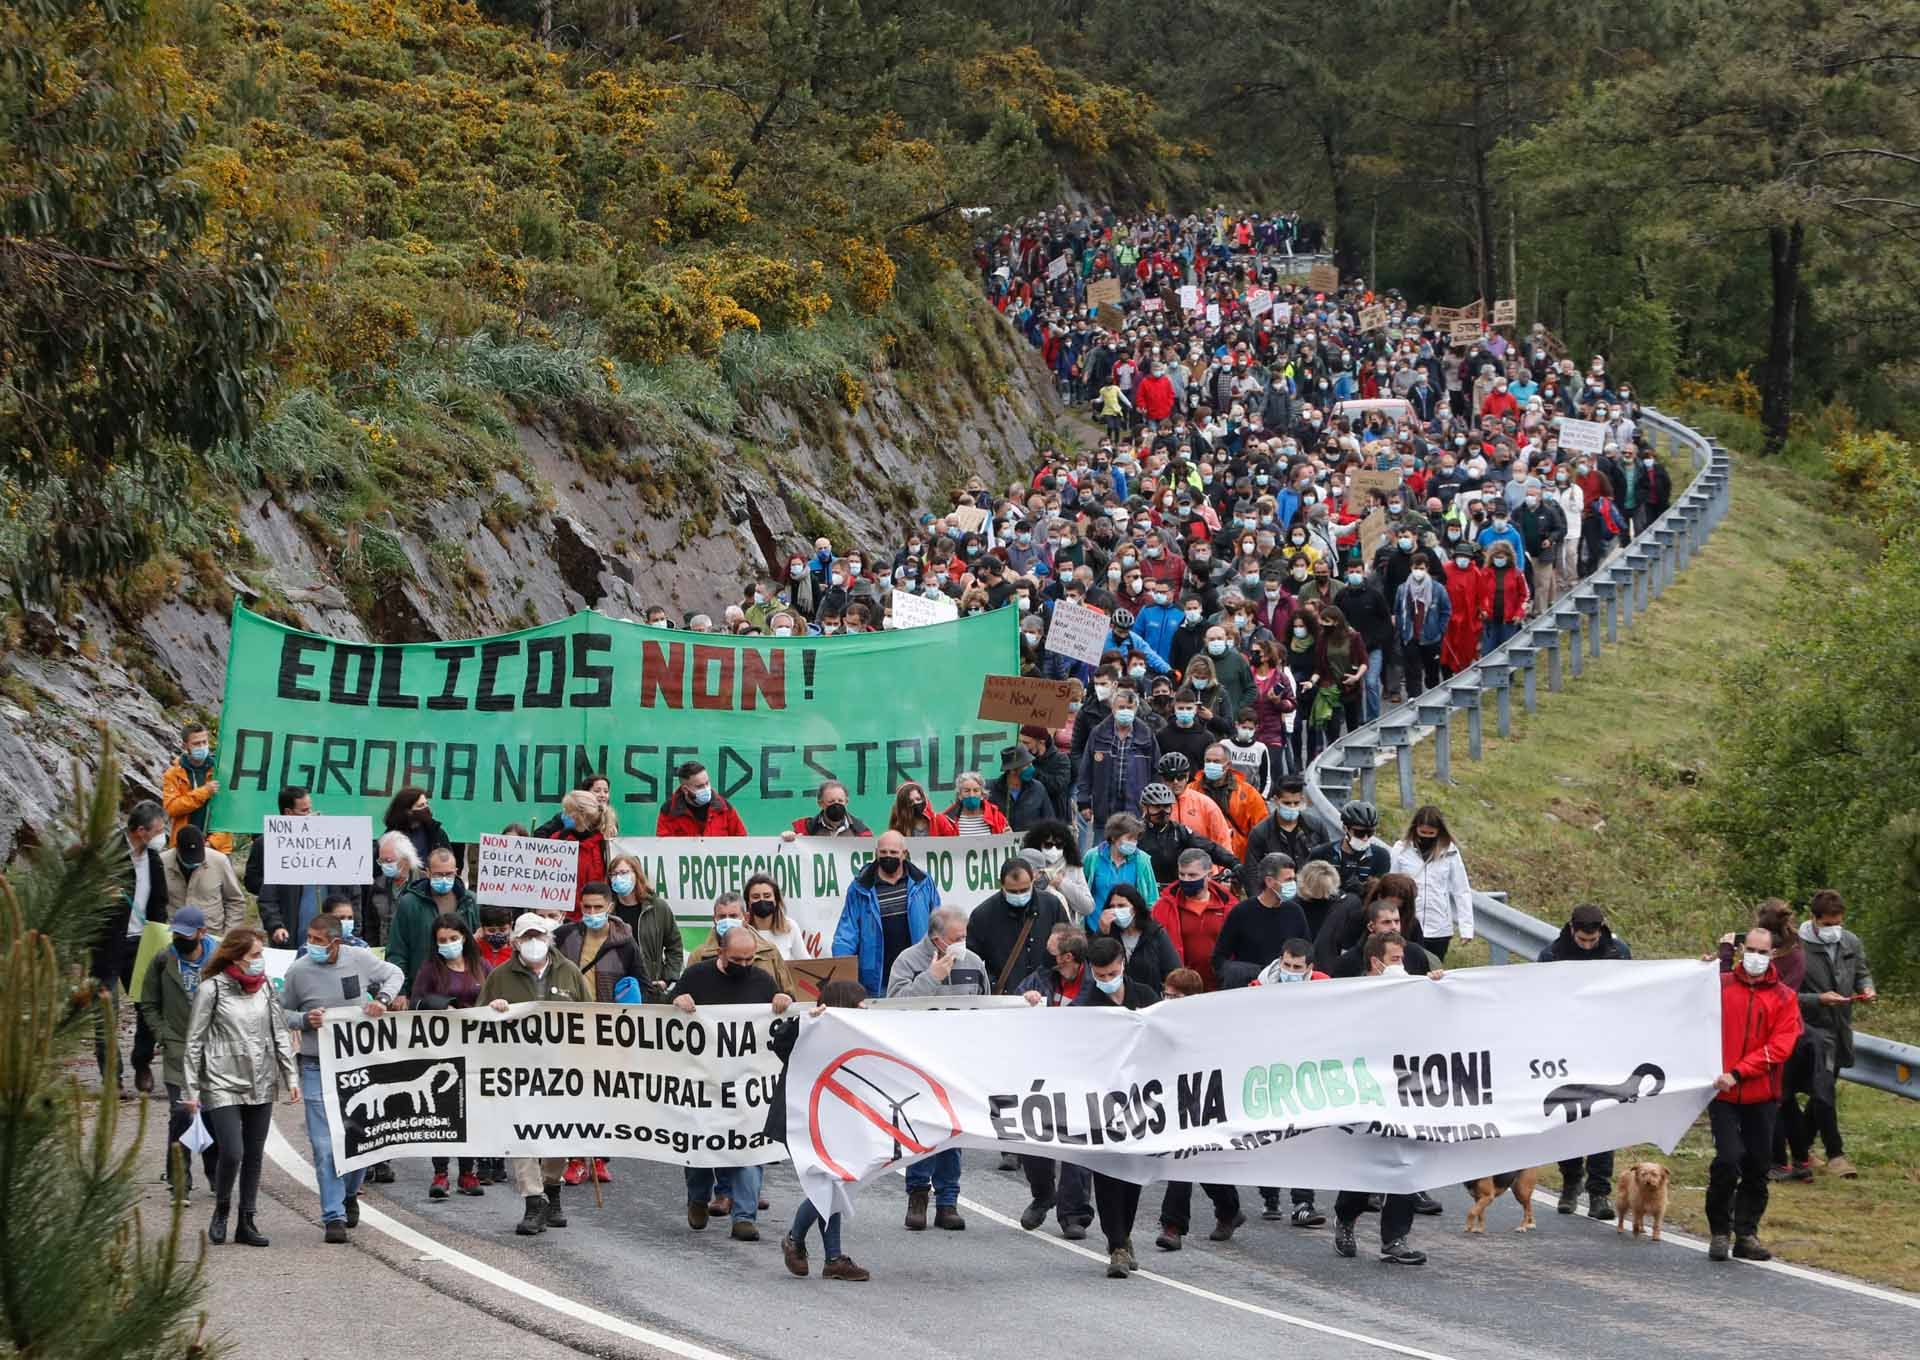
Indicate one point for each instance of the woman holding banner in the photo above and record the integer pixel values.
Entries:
(582, 821)
(646, 913)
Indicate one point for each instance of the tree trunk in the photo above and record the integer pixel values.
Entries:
(1346, 230)
(1482, 212)
(1776, 392)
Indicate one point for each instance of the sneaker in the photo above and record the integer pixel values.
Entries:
(1075, 1231)
(947, 1218)
(795, 1256)
(1600, 1207)
(576, 1171)
(1803, 1171)
(843, 1268)
(353, 1211)
(470, 1185)
(336, 1234)
(1169, 1239)
(1779, 1171)
(438, 1190)
(1035, 1214)
(1398, 1253)
(1343, 1240)
(696, 1214)
(1116, 1265)
(600, 1172)
(1306, 1216)
(1746, 1247)
(1271, 1210)
(1423, 1203)
(745, 1230)
(1223, 1228)
(1836, 1166)
(381, 1173)
(1719, 1247)
(1570, 1196)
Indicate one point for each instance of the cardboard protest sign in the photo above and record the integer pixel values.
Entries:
(1323, 278)
(1078, 631)
(1373, 532)
(317, 850)
(913, 610)
(1213, 314)
(1506, 312)
(527, 873)
(1103, 291)
(1465, 331)
(1373, 318)
(1111, 317)
(1259, 303)
(1365, 481)
(968, 517)
(810, 975)
(1189, 298)
(1018, 699)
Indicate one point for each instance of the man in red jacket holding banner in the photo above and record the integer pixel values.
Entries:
(1759, 1025)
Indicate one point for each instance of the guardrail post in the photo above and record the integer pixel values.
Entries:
(1525, 661)
(1604, 587)
(1438, 713)
(1589, 607)
(1399, 735)
(1549, 640)
(1664, 537)
(1642, 558)
(1568, 620)
(1494, 676)
(1624, 588)
(1497, 953)
(1476, 707)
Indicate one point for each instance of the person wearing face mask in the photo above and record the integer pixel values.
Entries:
(696, 808)
(1127, 919)
(166, 1005)
(1119, 861)
(1508, 596)
(833, 817)
(1251, 758)
(1290, 828)
(238, 1056)
(1239, 803)
(535, 973)
(938, 966)
(1836, 976)
(729, 915)
(887, 907)
(1116, 1201)
(285, 908)
(1117, 761)
(1443, 898)
(1259, 925)
(327, 971)
(1653, 484)
(1295, 964)
(1193, 911)
(767, 913)
(1057, 978)
(650, 920)
(1586, 938)
(439, 892)
(1573, 508)
(1760, 1026)
(1421, 609)
(912, 816)
(582, 818)
(188, 785)
(494, 938)
(1470, 593)
(1189, 639)
(1356, 853)
(601, 946)
(410, 810)
(395, 865)
(200, 876)
(1542, 526)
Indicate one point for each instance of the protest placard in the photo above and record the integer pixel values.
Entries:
(969, 518)
(810, 975)
(1057, 267)
(1213, 314)
(914, 610)
(1103, 291)
(1373, 532)
(1111, 317)
(1582, 436)
(1259, 303)
(1323, 278)
(1025, 701)
(317, 850)
(1365, 481)
(527, 873)
(1506, 312)
(1373, 318)
(1152, 305)
(1078, 631)
(1465, 331)
(1189, 298)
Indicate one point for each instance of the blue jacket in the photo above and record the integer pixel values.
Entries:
(1115, 768)
(1437, 615)
(1510, 535)
(1156, 624)
(859, 933)
(1137, 643)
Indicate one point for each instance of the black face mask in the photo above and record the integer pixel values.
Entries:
(834, 813)
(499, 938)
(889, 864)
(763, 910)
(1193, 887)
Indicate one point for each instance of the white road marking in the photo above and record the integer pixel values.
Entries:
(297, 1166)
(1840, 1282)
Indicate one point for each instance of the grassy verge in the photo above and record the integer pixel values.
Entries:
(1594, 799)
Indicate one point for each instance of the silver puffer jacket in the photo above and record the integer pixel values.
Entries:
(238, 1048)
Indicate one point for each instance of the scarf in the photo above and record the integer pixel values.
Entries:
(248, 982)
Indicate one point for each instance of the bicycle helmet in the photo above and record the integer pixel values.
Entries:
(1156, 795)
(1359, 814)
(1122, 620)
(1174, 765)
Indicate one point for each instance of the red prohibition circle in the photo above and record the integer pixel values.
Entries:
(828, 1083)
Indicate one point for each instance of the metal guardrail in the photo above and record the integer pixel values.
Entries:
(1558, 643)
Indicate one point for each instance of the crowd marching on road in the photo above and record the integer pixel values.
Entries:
(1308, 503)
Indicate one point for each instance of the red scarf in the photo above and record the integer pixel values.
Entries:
(249, 982)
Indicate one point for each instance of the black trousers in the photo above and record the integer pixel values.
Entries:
(1437, 948)
(1070, 1191)
(1737, 1179)
(240, 1132)
(143, 1045)
(1117, 1203)
(1176, 1206)
(1271, 1195)
(1797, 1128)
(1396, 1215)
(1595, 1169)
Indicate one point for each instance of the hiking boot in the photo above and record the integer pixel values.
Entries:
(1398, 1253)
(947, 1218)
(1343, 1240)
(1719, 1247)
(1836, 1166)
(600, 1172)
(534, 1221)
(1074, 1231)
(470, 1184)
(1126, 1255)
(336, 1233)
(720, 1206)
(917, 1210)
(217, 1229)
(438, 1190)
(843, 1268)
(1746, 1247)
(1223, 1228)
(555, 1218)
(696, 1214)
(1169, 1239)
(381, 1173)
(1570, 1196)
(1035, 1214)
(576, 1171)
(249, 1236)
(1779, 1171)
(745, 1230)
(795, 1255)
(1306, 1216)
(353, 1211)
(1600, 1207)
(1423, 1203)
(1116, 1265)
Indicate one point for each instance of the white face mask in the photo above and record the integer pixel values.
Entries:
(1394, 970)
(1755, 962)
(1285, 976)
(1828, 934)
(533, 951)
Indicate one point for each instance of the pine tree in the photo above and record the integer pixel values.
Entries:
(79, 1280)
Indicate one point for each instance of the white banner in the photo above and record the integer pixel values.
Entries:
(550, 1080)
(1364, 1084)
(1582, 436)
(317, 850)
(912, 610)
(813, 871)
(527, 873)
(1080, 633)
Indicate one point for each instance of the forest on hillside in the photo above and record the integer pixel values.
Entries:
(341, 245)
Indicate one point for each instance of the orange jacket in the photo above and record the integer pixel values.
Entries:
(181, 797)
(1246, 809)
(1201, 815)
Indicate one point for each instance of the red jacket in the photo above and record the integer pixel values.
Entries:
(1759, 1025)
(593, 862)
(1154, 397)
(1498, 404)
(678, 819)
(1193, 924)
(1513, 604)
(996, 820)
(1471, 591)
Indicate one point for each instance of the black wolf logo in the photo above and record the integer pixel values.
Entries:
(1578, 1098)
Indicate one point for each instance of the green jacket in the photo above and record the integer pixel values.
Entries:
(657, 936)
(514, 982)
(410, 934)
(168, 1009)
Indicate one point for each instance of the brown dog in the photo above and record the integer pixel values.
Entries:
(1643, 1193)
(1489, 1188)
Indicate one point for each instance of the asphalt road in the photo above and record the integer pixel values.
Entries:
(1573, 1287)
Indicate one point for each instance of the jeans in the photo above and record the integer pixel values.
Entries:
(1596, 1169)
(1396, 1214)
(1176, 1205)
(805, 1217)
(940, 1171)
(1072, 1201)
(1737, 1179)
(1376, 663)
(1495, 634)
(240, 1132)
(1117, 1202)
(178, 1122)
(335, 1189)
(742, 1182)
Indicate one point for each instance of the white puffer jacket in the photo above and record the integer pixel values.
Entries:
(1444, 898)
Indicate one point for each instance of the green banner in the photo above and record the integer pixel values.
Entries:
(495, 729)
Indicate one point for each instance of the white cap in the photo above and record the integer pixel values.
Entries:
(531, 921)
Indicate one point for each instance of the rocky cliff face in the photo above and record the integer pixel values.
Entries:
(687, 527)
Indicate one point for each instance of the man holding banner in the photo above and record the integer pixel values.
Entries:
(942, 966)
(887, 910)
